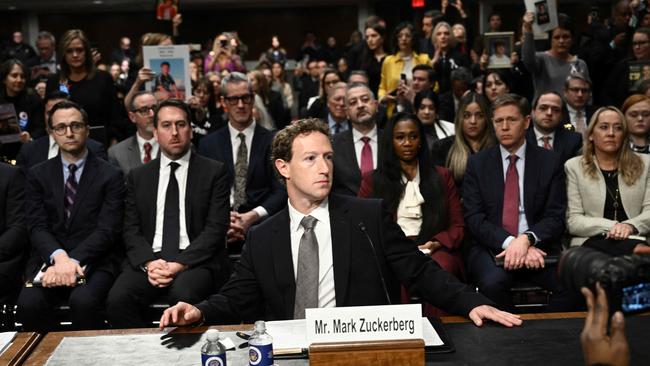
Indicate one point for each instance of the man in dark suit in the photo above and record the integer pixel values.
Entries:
(356, 150)
(245, 149)
(514, 198)
(175, 224)
(317, 252)
(577, 92)
(74, 216)
(460, 79)
(142, 147)
(13, 234)
(45, 147)
(546, 130)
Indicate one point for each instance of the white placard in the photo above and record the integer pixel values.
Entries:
(172, 67)
(364, 323)
(545, 15)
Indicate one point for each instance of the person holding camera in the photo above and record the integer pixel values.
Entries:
(608, 189)
(222, 56)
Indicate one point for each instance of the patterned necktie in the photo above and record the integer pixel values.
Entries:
(70, 191)
(510, 217)
(547, 142)
(171, 217)
(307, 276)
(581, 126)
(241, 171)
(147, 152)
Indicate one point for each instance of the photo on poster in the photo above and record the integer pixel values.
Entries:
(166, 9)
(545, 15)
(9, 128)
(499, 46)
(639, 71)
(170, 64)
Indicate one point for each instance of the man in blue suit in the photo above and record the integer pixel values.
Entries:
(245, 148)
(514, 198)
(74, 216)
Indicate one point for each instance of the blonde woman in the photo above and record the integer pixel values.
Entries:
(608, 189)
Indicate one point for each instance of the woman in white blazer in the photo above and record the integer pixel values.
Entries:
(608, 189)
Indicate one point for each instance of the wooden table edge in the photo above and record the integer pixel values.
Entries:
(14, 357)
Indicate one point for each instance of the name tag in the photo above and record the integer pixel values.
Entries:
(364, 323)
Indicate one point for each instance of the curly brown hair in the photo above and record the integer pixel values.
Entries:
(283, 140)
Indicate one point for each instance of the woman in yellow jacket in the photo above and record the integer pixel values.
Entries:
(402, 62)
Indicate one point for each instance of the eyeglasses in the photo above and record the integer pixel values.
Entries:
(234, 100)
(62, 128)
(639, 43)
(143, 110)
(579, 90)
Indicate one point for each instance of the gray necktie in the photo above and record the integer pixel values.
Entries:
(307, 279)
(241, 170)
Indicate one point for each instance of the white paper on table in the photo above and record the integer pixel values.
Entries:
(5, 340)
(291, 334)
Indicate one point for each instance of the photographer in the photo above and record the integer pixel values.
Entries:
(222, 56)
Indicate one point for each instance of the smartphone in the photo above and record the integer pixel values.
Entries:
(223, 42)
(635, 298)
(403, 77)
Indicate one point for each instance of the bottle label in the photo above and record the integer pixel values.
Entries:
(213, 360)
(261, 355)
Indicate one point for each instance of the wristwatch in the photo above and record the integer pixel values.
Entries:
(531, 239)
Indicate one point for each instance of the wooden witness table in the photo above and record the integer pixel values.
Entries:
(458, 328)
(20, 348)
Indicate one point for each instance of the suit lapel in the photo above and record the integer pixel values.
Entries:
(340, 232)
(192, 176)
(352, 155)
(226, 151)
(283, 261)
(256, 150)
(531, 176)
(56, 172)
(134, 153)
(496, 178)
(88, 175)
(150, 191)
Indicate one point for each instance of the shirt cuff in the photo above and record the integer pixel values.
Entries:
(534, 235)
(261, 212)
(506, 242)
(54, 254)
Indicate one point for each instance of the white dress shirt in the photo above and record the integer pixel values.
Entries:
(53, 148)
(142, 141)
(323, 232)
(235, 142)
(539, 135)
(163, 181)
(521, 153)
(358, 145)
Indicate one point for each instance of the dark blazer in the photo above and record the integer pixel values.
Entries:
(347, 175)
(207, 213)
(447, 107)
(262, 186)
(13, 233)
(35, 152)
(263, 284)
(544, 196)
(566, 143)
(95, 222)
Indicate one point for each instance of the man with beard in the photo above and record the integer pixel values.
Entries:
(142, 147)
(547, 132)
(356, 150)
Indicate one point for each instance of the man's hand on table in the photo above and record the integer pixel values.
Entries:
(487, 312)
(180, 314)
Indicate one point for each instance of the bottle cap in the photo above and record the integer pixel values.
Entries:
(212, 335)
(260, 326)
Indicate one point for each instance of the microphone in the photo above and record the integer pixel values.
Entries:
(362, 227)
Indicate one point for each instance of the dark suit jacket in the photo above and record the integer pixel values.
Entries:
(347, 175)
(262, 186)
(207, 214)
(544, 196)
(447, 107)
(13, 234)
(35, 152)
(263, 284)
(126, 155)
(95, 222)
(566, 143)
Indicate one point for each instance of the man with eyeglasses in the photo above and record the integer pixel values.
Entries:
(46, 147)
(245, 148)
(514, 199)
(142, 147)
(548, 132)
(74, 213)
(175, 224)
(577, 92)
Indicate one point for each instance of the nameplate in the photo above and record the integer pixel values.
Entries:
(364, 323)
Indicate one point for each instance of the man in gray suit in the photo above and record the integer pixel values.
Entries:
(356, 150)
(142, 147)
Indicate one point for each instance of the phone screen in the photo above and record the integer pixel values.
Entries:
(636, 298)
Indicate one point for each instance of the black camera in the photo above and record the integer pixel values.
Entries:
(625, 279)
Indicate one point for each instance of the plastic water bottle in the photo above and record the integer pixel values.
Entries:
(213, 353)
(260, 351)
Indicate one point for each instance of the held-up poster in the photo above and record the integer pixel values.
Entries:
(545, 15)
(170, 65)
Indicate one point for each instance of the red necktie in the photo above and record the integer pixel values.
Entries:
(366, 156)
(510, 218)
(547, 142)
(147, 153)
